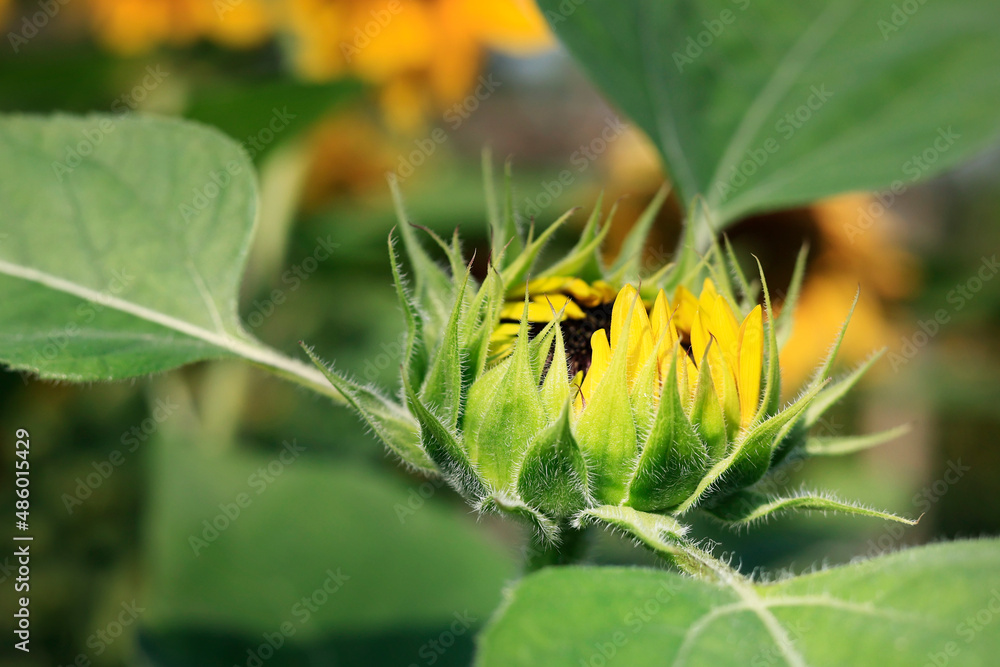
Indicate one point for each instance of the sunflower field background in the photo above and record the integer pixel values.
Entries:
(217, 515)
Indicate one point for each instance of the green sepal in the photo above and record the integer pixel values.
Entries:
(415, 357)
(706, 410)
(650, 286)
(628, 265)
(503, 230)
(751, 458)
(432, 286)
(519, 269)
(785, 317)
(510, 418)
(553, 473)
(556, 386)
(644, 398)
(771, 400)
(541, 346)
(659, 532)
(823, 372)
(748, 507)
(443, 385)
(583, 261)
(818, 446)
(674, 458)
(685, 260)
(478, 402)
(754, 453)
(444, 447)
(502, 503)
(512, 235)
(838, 389)
(606, 429)
(748, 292)
(391, 422)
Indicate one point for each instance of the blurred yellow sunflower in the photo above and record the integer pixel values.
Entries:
(423, 54)
(131, 27)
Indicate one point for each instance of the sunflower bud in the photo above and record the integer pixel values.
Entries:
(553, 394)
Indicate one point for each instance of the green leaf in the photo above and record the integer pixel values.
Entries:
(747, 507)
(404, 556)
(910, 608)
(760, 105)
(124, 246)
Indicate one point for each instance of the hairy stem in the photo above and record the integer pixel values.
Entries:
(568, 550)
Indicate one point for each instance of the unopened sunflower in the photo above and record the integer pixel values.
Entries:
(583, 391)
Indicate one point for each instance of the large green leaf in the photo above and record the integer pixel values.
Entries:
(123, 246)
(940, 603)
(807, 98)
(237, 540)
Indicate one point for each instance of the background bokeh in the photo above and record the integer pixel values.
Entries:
(218, 516)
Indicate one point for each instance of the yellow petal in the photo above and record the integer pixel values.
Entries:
(725, 328)
(599, 360)
(708, 294)
(629, 310)
(685, 307)
(664, 331)
(751, 345)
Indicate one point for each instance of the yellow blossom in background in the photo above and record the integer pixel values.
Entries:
(130, 27)
(846, 260)
(423, 54)
(349, 156)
